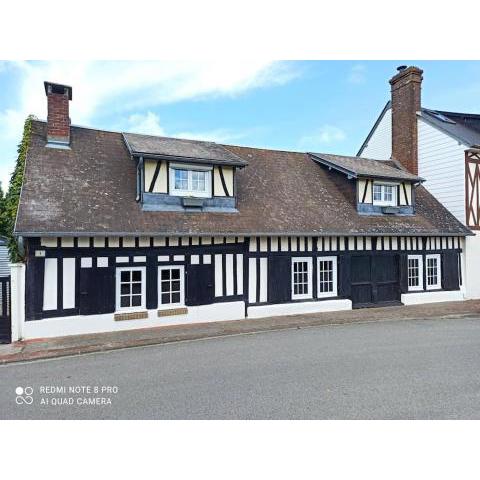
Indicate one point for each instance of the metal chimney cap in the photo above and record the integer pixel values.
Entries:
(401, 68)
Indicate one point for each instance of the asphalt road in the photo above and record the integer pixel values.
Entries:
(425, 369)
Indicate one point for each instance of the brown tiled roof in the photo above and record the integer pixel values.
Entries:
(90, 189)
(181, 149)
(364, 167)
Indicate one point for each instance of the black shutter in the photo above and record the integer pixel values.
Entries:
(34, 288)
(279, 279)
(403, 272)
(344, 277)
(152, 283)
(450, 280)
(97, 290)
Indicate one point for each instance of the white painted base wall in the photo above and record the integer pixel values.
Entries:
(298, 308)
(472, 266)
(431, 297)
(79, 325)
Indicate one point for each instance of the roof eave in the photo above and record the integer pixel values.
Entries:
(465, 232)
(327, 163)
(392, 177)
(182, 159)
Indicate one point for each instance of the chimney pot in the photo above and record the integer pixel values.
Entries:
(58, 120)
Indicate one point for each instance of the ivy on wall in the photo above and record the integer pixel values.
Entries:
(9, 205)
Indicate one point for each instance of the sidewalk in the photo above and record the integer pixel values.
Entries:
(78, 344)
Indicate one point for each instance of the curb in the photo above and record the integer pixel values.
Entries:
(145, 342)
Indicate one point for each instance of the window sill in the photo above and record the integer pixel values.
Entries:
(167, 312)
(132, 315)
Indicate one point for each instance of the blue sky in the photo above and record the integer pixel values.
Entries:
(326, 106)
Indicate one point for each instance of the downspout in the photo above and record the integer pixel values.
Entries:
(140, 180)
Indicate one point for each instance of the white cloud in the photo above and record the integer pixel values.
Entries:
(120, 88)
(132, 85)
(148, 124)
(325, 135)
(219, 135)
(357, 74)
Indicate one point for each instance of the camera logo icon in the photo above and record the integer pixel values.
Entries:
(24, 395)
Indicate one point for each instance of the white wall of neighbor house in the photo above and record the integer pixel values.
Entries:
(472, 266)
(78, 325)
(441, 161)
(379, 146)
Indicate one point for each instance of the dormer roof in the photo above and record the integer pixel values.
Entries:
(356, 167)
(181, 150)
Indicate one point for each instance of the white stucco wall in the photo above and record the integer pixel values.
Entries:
(431, 297)
(79, 325)
(299, 308)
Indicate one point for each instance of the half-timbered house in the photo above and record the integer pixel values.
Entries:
(444, 147)
(125, 231)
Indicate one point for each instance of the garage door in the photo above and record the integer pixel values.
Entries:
(375, 280)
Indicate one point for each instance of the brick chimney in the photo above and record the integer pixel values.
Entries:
(58, 119)
(406, 102)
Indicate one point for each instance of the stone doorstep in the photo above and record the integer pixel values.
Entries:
(78, 344)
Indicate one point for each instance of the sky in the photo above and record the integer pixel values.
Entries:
(323, 106)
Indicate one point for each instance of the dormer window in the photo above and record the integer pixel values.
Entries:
(190, 181)
(385, 195)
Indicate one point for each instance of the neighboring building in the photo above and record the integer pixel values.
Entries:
(4, 258)
(126, 231)
(446, 147)
(5, 322)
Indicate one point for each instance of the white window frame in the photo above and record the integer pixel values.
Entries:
(309, 294)
(118, 271)
(419, 287)
(334, 292)
(385, 203)
(181, 303)
(438, 285)
(189, 192)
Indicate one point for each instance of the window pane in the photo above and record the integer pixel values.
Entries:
(165, 274)
(136, 300)
(165, 298)
(176, 286)
(175, 273)
(198, 181)
(125, 289)
(377, 192)
(137, 276)
(124, 301)
(181, 179)
(388, 193)
(175, 297)
(125, 276)
(137, 288)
